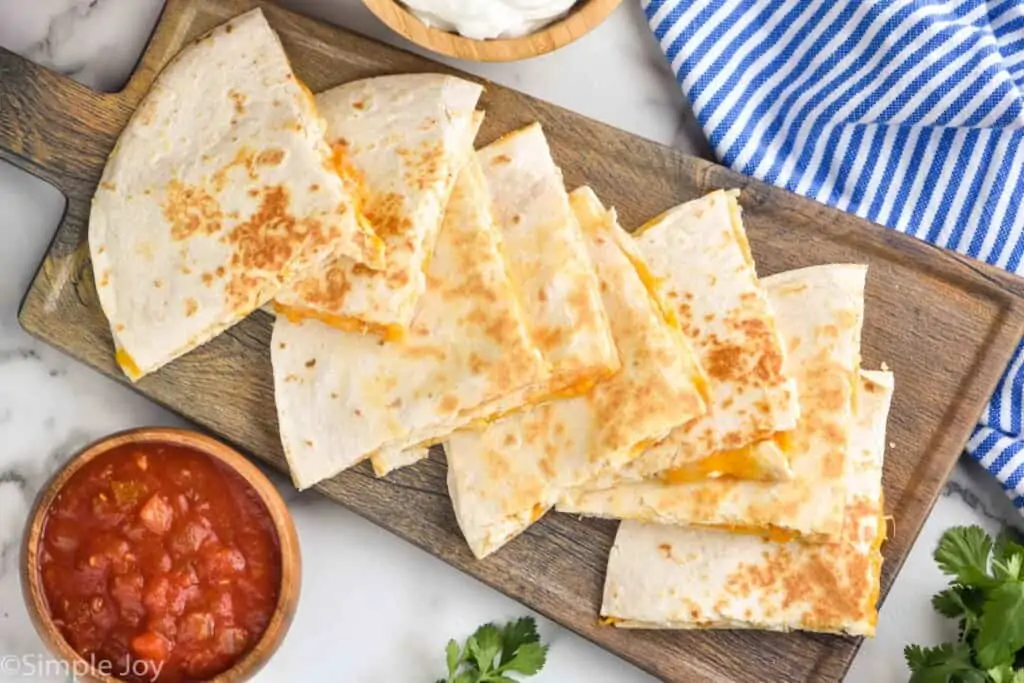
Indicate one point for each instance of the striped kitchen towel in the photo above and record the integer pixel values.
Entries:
(909, 113)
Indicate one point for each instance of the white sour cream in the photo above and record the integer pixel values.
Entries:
(485, 19)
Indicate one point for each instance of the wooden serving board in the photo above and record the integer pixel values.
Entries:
(945, 324)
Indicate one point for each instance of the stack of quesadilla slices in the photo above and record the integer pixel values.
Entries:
(428, 292)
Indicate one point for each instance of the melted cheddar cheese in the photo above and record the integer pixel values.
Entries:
(297, 314)
(739, 463)
(769, 532)
(875, 563)
(127, 363)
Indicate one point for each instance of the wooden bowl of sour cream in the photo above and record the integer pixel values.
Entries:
(584, 16)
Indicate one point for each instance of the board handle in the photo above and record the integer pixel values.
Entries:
(55, 128)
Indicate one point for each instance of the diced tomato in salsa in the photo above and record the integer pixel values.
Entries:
(161, 557)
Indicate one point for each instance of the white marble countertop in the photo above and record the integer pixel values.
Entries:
(375, 609)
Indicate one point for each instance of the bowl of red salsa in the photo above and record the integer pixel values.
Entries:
(161, 556)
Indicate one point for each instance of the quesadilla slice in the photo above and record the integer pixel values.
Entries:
(674, 577)
(220, 189)
(551, 271)
(699, 255)
(819, 312)
(501, 479)
(405, 138)
(341, 396)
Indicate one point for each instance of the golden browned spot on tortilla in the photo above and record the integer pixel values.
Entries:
(270, 157)
(267, 243)
(108, 186)
(359, 104)
(158, 284)
(311, 363)
(847, 319)
(546, 464)
(315, 187)
(666, 550)
(239, 100)
(426, 351)
(501, 160)
(793, 288)
(724, 362)
(386, 214)
(104, 279)
(325, 291)
(191, 306)
(449, 403)
(119, 327)
(191, 211)
(423, 166)
(244, 159)
(229, 27)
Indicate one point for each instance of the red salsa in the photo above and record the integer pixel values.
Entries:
(160, 563)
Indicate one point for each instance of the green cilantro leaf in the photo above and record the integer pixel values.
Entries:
(1007, 545)
(1001, 629)
(452, 655)
(516, 634)
(1008, 557)
(1009, 569)
(492, 652)
(949, 603)
(529, 659)
(963, 553)
(485, 645)
(1001, 674)
(946, 663)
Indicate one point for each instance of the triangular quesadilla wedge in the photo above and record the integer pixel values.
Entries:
(405, 138)
(343, 395)
(551, 271)
(699, 255)
(501, 479)
(220, 189)
(819, 312)
(675, 577)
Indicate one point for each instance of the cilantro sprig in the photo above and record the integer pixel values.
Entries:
(986, 594)
(491, 653)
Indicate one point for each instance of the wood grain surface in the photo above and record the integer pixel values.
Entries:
(583, 18)
(945, 324)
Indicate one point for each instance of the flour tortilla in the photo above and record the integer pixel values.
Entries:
(220, 189)
(504, 477)
(341, 396)
(698, 253)
(819, 312)
(405, 137)
(673, 577)
(551, 271)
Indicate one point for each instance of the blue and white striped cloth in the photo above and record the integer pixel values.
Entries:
(909, 113)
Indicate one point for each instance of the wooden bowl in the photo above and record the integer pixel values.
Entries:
(291, 564)
(583, 18)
